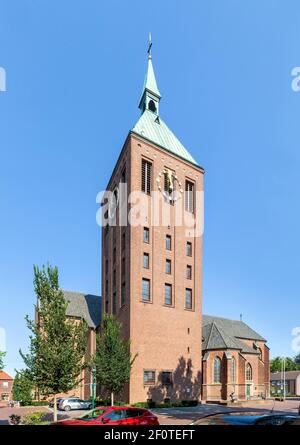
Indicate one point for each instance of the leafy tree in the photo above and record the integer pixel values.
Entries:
(276, 364)
(297, 362)
(23, 387)
(113, 358)
(2, 355)
(57, 344)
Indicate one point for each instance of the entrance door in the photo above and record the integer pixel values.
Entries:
(248, 391)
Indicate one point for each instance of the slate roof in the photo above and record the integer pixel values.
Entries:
(152, 127)
(84, 306)
(222, 333)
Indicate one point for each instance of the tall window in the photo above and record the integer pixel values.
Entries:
(146, 261)
(145, 289)
(123, 294)
(146, 176)
(189, 250)
(232, 370)
(114, 308)
(189, 196)
(168, 294)
(168, 267)
(217, 370)
(248, 372)
(189, 272)
(123, 243)
(188, 299)
(146, 235)
(168, 242)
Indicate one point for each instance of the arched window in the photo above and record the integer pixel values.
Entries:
(152, 106)
(233, 370)
(217, 370)
(248, 372)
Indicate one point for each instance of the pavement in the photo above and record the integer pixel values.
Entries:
(168, 416)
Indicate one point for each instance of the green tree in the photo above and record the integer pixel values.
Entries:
(277, 363)
(112, 359)
(2, 355)
(57, 344)
(297, 362)
(23, 387)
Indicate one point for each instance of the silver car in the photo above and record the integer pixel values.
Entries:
(74, 403)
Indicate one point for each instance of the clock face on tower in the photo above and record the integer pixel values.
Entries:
(113, 203)
(169, 185)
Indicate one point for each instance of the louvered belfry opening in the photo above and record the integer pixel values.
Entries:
(146, 176)
(189, 196)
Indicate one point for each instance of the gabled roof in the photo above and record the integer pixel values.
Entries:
(5, 376)
(152, 127)
(222, 333)
(216, 338)
(84, 306)
(289, 375)
(234, 328)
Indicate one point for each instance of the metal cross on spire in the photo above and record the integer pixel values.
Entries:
(150, 46)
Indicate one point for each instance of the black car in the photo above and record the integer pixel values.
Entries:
(249, 418)
(51, 404)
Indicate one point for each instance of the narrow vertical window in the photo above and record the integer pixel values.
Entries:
(145, 290)
(123, 294)
(232, 370)
(146, 235)
(248, 372)
(189, 250)
(168, 267)
(146, 176)
(217, 370)
(189, 196)
(168, 294)
(168, 242)
(114, 303)
(188, 299)
(188, 272)
(146, 261)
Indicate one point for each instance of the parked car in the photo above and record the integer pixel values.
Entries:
(249, 418)
(51, 403)
(114, 415)
(74, 403)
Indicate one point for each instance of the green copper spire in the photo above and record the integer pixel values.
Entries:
(150, 125)
(150, 95)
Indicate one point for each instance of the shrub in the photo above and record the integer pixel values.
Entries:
(14, 419)
(35, 419)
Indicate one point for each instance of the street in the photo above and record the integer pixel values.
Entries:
(167, 416)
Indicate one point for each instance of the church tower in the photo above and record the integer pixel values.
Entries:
(152, 264)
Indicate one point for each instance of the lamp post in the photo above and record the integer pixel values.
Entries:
(93, 371)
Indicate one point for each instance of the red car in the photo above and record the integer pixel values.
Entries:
(114, 415)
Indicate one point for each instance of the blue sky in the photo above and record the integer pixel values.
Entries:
(74, 76)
